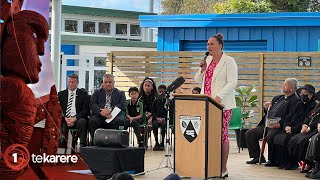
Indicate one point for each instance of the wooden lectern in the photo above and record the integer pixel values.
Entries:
(198, 128)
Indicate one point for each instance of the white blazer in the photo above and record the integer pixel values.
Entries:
(224, 80)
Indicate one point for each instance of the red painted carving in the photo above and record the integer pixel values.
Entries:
(53, 121)
(22, 35)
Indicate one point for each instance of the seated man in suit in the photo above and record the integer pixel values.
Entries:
(75, 106)
(102, 102)
(279, 107)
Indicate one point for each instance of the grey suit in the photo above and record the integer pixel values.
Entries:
(97, 102)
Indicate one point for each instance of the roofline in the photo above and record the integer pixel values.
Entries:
(103, 41)
(232, 20)
(68, 9)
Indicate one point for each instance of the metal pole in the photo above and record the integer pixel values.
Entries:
(151, 5)
(56, 40)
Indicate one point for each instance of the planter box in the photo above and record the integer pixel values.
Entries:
(241, 138)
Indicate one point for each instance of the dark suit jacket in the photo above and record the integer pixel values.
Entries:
(98, 100)
(82, 102)
(282, 112)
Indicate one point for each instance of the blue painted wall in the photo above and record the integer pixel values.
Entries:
(277, 32)
(290, 39)
(69, 50)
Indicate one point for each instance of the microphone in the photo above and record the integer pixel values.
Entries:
(175, 84)
(205, 56)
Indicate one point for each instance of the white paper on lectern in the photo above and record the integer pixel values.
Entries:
(114, 113)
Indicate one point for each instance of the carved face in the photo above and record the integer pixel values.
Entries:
(23, 43)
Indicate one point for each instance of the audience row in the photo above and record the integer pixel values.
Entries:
(145, 110)
(291, 127)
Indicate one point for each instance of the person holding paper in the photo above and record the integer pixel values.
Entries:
(103, 104)
(279, 107)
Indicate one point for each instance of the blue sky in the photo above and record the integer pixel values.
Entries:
(130, 5)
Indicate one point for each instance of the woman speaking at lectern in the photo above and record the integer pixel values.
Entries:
(219, 75)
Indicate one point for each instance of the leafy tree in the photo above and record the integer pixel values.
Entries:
(237, 6)
(242, 6)
(186, 6)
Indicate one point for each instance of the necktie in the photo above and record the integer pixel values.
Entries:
(68, 111)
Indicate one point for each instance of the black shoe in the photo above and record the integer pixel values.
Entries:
(270, 164)
(161, 147)
(256, 160)
(156, 147)
(291, 166)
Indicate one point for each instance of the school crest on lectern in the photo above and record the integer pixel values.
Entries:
(190, 126)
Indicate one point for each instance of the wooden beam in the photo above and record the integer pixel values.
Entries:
(261, 81)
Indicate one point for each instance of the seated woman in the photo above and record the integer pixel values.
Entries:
(298, 144)
(148, 93)
(292, 126)
(313, 156)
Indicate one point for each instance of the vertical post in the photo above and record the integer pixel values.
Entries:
(56, 40)
(110, 63)
(261, 83)
(151, 4)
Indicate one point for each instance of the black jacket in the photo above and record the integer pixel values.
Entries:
(313, 119)
(298, 114)
(82, 102)
(158, 109)
(148, 102)
(98, 100)
(284, 110)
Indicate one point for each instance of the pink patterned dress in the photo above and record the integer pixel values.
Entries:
(207, 90)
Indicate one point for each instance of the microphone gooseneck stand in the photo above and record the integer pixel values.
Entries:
(167, 156)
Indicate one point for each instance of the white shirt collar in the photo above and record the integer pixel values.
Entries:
(75, 91)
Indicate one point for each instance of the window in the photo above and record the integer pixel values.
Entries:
(134, 39)
(100, 61)
(71, 26)
(121, 39)
(135, 30)
(98, 78)
(104, 28)
(121, 29)
(89, 27)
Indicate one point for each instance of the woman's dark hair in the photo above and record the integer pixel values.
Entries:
(154, 89)
(219, 38)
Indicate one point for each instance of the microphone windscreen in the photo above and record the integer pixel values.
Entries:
(176, 83)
